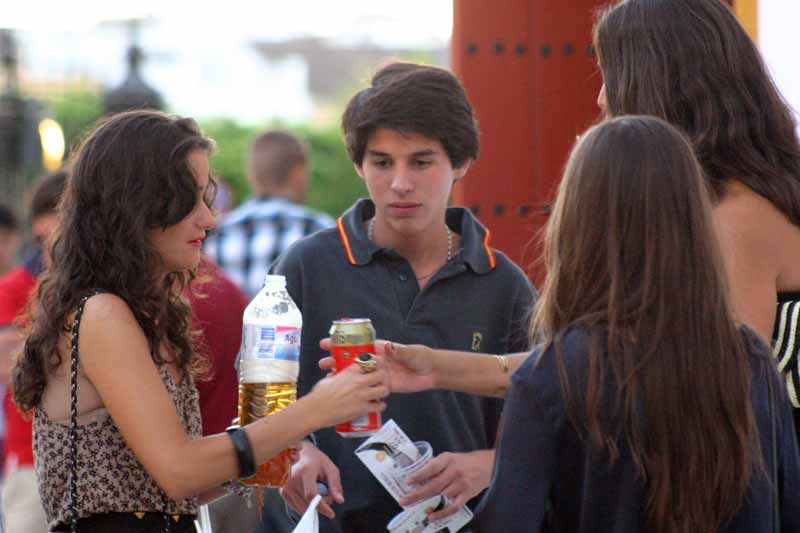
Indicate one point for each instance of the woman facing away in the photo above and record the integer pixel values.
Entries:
(109, 346)
(691, 63)
(644, 406)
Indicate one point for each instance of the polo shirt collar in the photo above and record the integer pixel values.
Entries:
(359, 250)
(476, 246)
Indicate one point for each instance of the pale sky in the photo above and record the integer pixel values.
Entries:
(398, 20)
(777, 35)
(202, 59)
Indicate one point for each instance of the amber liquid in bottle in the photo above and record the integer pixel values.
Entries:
(257, 400)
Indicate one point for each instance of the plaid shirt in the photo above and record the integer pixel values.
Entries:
(253, 235)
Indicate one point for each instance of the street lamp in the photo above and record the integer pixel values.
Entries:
(24, 130)
(134, 93)
(52, 139)
(11, 117)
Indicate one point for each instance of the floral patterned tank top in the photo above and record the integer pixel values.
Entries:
(110, 477)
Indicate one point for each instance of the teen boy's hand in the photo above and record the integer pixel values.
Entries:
(312, 466)
(459, 476)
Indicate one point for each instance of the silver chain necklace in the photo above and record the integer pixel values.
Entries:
(371, 232)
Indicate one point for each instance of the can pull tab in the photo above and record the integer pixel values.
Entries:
(367, 362)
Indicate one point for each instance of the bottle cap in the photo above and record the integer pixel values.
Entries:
(275, 280)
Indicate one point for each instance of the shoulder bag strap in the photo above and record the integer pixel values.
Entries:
(73, 427)
(73, 416)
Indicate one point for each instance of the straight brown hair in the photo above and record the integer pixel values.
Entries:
(633, 258)
(692, 64)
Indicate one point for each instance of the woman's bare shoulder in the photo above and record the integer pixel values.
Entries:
(106, 307)
(760, 234)
(740, 203)
(108, 322)
(746, 214)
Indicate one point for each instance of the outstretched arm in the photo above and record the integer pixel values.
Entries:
(115, 356)
(415, 367)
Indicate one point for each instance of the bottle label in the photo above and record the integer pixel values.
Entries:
(272, 342)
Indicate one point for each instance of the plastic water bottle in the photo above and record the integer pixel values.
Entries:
(268, 363)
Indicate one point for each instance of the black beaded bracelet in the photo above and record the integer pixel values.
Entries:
(244, 451)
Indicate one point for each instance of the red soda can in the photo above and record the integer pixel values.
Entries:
(349, 338)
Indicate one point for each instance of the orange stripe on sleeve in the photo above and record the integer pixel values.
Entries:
(345, 241)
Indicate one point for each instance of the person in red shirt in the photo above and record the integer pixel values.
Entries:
(217, 309)
(22, 509)
(9, 239)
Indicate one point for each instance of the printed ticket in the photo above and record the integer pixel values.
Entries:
(391, 457)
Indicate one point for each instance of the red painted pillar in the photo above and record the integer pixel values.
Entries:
(531, 75)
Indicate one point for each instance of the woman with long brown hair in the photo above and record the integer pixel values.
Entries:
(645, 408)
(644, 405)
(108, 367)
(691, 63)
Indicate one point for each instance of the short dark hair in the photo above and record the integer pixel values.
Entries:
(47, 193)
(272, 157)
(429, 101)
(8, 221)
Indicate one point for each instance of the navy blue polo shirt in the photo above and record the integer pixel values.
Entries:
(479, 301)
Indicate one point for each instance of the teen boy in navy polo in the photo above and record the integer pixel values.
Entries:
(424, 273)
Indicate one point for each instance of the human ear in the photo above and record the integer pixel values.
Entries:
(459, 172)
(359, 170)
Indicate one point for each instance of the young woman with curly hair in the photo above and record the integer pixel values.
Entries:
(108, 367)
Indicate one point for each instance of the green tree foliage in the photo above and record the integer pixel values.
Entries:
(334, 183)
(76, 109)
(229, 159)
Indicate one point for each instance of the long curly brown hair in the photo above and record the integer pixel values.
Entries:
(692, 64)
(130, 177)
